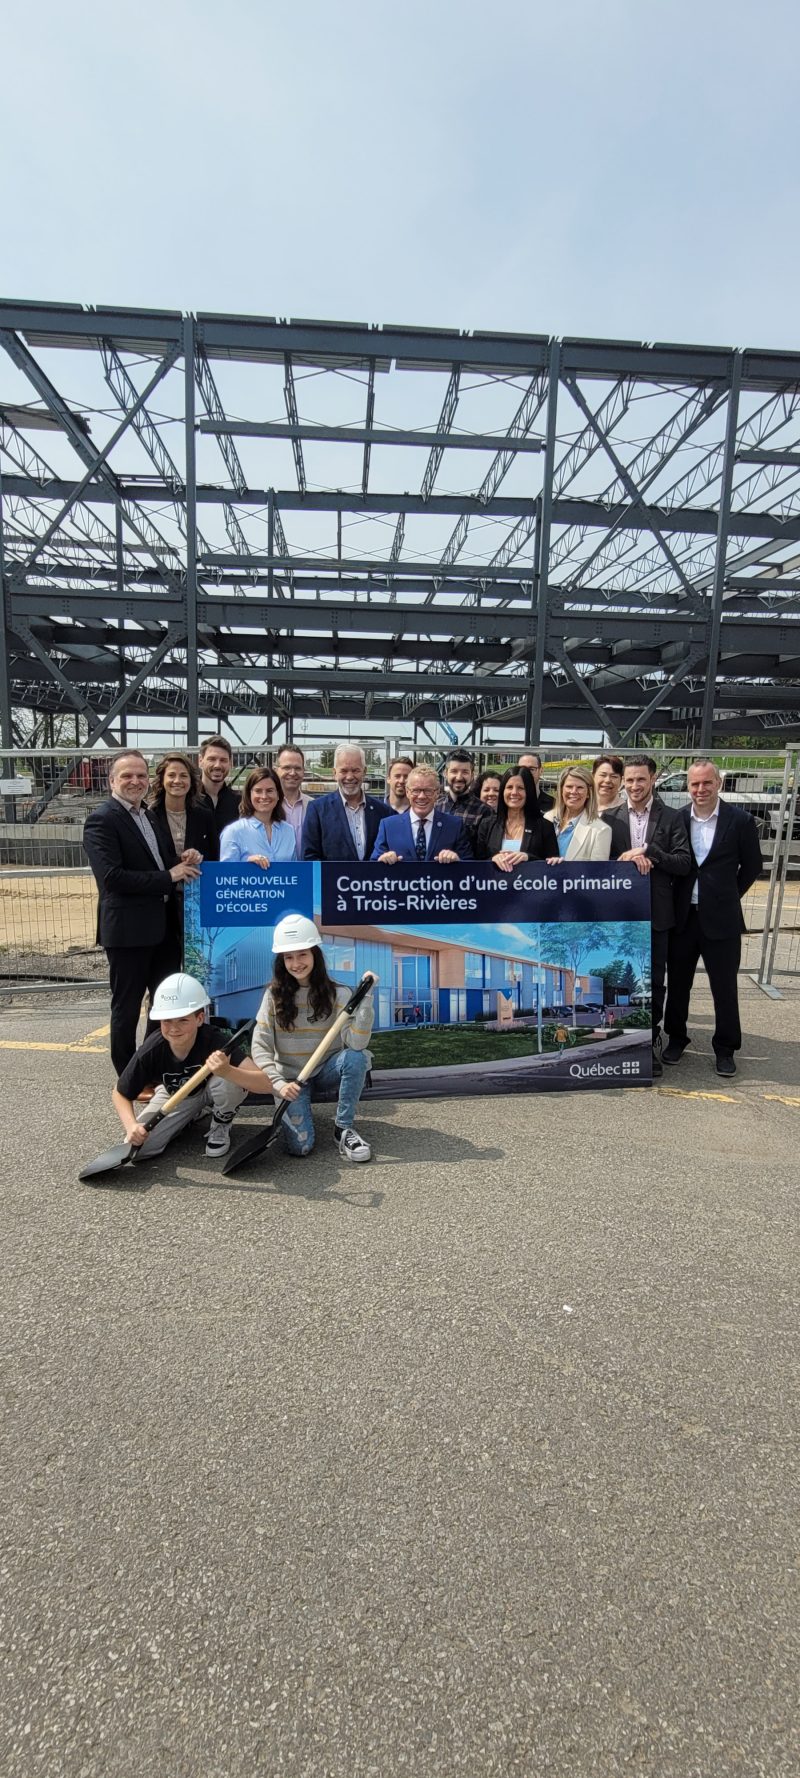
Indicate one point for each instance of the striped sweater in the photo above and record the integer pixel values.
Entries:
(282, 1054)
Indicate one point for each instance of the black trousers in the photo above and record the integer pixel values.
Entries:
(658, 975)
(721, 957)
(134, 970)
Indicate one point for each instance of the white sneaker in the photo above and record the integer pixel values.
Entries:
(218, 1137)
(351, 1146)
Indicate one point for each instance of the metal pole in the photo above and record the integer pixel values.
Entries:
(192, 693)
(6, 730)
(715, 625)
(543, 555)
(780, 859)
(123, 718)
(271, 590)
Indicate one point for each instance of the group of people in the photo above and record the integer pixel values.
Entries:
(143, 846)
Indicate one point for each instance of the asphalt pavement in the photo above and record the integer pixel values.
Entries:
(481, 1459)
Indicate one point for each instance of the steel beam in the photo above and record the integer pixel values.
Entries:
(715, 621)
(373, 435)
(606, 721)
(542, 566)
(192, 707)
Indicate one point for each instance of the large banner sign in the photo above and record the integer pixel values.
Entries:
(487, 982)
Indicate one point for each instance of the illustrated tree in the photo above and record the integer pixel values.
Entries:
(569, 943)
(612, 974)
(633, 937)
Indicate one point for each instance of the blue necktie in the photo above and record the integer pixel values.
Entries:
(422, 849)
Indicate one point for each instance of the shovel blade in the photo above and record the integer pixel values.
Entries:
(253, 1146)
(110, 1162)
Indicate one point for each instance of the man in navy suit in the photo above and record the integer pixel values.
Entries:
(137, 922)
(344, 824)
(726, 860)
(423, 833)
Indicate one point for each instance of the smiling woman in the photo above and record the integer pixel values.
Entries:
(263, 834)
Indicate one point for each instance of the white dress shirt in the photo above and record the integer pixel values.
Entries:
(702, 829)
(638, 819)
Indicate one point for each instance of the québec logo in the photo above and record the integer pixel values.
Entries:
(602, 1070)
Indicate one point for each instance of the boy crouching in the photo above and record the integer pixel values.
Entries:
(167, 1059)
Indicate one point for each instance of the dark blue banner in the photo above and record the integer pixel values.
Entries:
(246, 895)
(438, 894)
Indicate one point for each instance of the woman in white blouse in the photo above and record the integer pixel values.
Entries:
(579, 831)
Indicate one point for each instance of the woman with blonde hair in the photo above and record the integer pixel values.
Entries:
(579, 829)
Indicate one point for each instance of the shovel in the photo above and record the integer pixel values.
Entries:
(125, 1154)
(248, 1151)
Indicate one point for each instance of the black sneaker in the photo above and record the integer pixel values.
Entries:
(673, 1051)
(725, 1064)
(351, 1146)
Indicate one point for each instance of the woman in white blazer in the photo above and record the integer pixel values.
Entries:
(579, 831)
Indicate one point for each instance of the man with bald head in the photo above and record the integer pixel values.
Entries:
(726, 860)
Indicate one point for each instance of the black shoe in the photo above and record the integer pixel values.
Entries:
(673, 1051)
(725, 1064)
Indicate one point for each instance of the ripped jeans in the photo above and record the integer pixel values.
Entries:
(346, 1073)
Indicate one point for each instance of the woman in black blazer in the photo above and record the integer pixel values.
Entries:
(181, 824)
(515, 831)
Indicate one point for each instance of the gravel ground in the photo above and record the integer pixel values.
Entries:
(477, 1460)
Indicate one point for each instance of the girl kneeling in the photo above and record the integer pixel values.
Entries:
(299, 1006)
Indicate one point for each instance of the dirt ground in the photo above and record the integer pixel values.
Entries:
(47, 915)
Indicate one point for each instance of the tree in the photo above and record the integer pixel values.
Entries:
(567, 944)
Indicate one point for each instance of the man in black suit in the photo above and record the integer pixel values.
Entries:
(653, 837)
(137, 920)
(345, 824)
(725, 860)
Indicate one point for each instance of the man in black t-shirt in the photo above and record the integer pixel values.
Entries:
(216, 794)
(168, 1057)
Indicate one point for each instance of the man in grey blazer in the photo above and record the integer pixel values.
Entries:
(653, 837)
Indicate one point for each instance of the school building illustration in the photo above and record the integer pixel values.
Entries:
(430, 975)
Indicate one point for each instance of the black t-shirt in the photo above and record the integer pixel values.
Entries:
(155, 1063)
(226, 809)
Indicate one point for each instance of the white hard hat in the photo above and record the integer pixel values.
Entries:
(295, 933)
(177, 995)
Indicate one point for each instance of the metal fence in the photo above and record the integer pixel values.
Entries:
(48, 899)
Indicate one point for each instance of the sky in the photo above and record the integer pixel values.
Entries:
(624, 170)
(620, 170)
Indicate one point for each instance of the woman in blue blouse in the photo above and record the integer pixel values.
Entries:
(263, 835)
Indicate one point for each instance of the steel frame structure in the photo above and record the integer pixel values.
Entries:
(639, 572)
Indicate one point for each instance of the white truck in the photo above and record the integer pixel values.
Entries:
(758, 791)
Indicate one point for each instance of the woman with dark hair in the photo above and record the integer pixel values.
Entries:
(487, 790)
(299, 1007)
(262, 835)
(607, 773)
(514, 831)
(181, 824)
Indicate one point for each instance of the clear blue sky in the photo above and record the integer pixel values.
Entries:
(624, 169)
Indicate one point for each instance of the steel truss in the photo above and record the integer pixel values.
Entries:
(604, 533)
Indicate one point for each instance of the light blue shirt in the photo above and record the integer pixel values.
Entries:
(247, 837)
(565, 836)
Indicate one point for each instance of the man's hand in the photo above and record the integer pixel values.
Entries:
(387, 858)
(445, 857)
(287, 1089)
(637, 856)
(259, 858)
(184, 873)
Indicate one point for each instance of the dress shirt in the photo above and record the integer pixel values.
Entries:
(145, 829)
(565, 836)
(702, 829)
(638, 819)
(295, 814)
(357, 823)
(248, 837)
